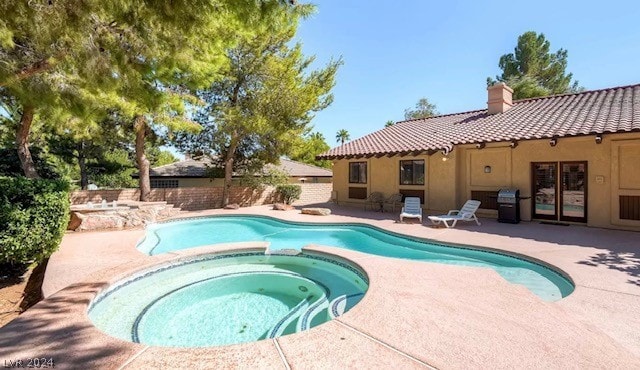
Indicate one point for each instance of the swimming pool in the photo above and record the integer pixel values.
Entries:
(544, 281)
(227, 298)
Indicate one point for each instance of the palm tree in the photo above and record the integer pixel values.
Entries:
(317, 136)
(342, 136)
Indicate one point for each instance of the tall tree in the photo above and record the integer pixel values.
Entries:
(264, 100)
(185, 53)
(85, 145)
(532, 70)
(423, 109)
(37, 41)
(309, 147)
(342, 135)
(89, 55)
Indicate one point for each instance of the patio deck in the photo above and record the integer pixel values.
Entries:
(415, 314)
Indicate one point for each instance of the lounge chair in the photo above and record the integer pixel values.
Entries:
(374, 201)
(392, 201)
(411, 209)
(466, 213)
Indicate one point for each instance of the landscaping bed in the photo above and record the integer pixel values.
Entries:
(20, 288)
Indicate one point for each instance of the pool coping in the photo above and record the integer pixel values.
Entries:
(359, 338)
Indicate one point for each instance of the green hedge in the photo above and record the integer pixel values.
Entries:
(289, 193)
(33, 218)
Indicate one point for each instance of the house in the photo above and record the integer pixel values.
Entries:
(574, 158)
(194, 172)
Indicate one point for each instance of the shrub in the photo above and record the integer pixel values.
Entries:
(289, 192)
(33, 218)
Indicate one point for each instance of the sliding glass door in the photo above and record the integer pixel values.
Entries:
(560, 191)
(545, 190)
(574, 191)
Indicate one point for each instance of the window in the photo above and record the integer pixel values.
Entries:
(163, 184)
(358, 172)
(412, 172)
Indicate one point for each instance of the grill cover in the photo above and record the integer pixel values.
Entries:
(508, 196)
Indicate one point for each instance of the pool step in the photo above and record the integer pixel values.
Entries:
(295, 312)
(338, 306)
(304, 322)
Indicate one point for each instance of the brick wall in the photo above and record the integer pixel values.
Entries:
(96, 196)
(199, 198)
(314, 193)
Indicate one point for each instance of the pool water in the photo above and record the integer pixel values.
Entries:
(223, 299)
(545, 282)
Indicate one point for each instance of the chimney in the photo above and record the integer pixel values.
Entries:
(500, 98)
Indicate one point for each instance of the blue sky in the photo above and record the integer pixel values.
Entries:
(396, 52)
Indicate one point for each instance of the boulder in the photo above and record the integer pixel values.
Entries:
(110, 218)
(282, 207)
(74, 221)
(316, 211)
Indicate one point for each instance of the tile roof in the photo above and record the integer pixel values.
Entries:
(198, 167)
(608, 110)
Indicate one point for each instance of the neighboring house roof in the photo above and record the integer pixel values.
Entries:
(609, 110)
(191, 168)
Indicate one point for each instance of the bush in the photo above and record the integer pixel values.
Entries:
(289, 193)
(33, 218)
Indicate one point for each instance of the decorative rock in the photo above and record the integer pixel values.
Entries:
(282, 207)
(118, 218)
(74, 222)
(316, 211)
(232, 206)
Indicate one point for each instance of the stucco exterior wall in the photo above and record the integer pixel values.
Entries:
(613, 170)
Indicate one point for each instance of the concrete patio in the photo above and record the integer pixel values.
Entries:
(415, 314)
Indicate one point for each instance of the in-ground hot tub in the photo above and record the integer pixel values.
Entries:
(234, 297)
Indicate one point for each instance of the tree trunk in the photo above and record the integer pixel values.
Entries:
(140, 127)
(228, 172)
(22, 143)
(82, 163)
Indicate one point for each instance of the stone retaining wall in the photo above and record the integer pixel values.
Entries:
(199, 198)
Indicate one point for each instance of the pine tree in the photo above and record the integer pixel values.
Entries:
(423, 109)
(141, 57)
(532, 70)
(264, 101)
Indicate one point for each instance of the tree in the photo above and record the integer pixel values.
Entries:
(161, 157)
(137, 56)
(389, 123)
(423, 109)
(342, 135)
(263, 101)
(34, 59)
(532, 70)
(88, 145)
(309, 147)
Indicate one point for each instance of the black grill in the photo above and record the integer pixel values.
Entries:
(509, 206)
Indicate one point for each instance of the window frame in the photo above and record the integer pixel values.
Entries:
(359, 180)
(413, 180)
(163, 183)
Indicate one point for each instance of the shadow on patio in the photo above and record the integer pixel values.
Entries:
(52, 330)
(628, 262)
(355, 212)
